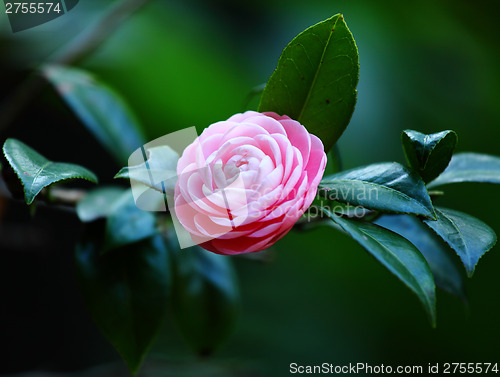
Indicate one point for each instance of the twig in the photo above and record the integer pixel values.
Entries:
(88, 43)
(71, 197)
(64, 199)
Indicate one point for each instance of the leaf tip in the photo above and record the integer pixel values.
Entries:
(123, 173)
(93, 178)
(133, 366)
(432, 312)
(431, 215)
(470, 270)
(134, 370)
(434, 322)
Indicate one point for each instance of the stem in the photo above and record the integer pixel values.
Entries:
(59, 195)
(336, 158)
(436, 193)
(256, 90)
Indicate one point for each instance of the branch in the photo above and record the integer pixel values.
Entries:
(86, 44)
(72, 53)
(59, 195)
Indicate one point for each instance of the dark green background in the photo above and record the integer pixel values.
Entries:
(426, 65)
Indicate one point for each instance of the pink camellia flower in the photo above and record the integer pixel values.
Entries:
(244, 182)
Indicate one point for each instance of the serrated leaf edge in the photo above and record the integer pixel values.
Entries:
(470, 274)
(30, 198)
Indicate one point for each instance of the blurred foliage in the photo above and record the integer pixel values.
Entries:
(425, 65)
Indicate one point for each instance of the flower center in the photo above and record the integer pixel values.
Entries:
(241, 162)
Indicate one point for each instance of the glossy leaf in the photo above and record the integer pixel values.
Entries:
(344, 209)
(98, 203)
(205, 298)
(126, 293)
(315, 80)
(126, 223)
(99, 108)
(468, 236)
(397, 254)
(158, 172)
(430, 154)
(37, 172)
(388, 187)
(446, 273)
(470, 167)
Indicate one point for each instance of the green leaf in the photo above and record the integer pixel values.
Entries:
(159, 171)
(468, 236)
(99, 108)
(470, 167)
(315, 80)
(205, 298)
(98, 203)
(126, 223)
(126, 293)
(36, 172)
(344, 209)
(397, 254)
(430, 154)
(387, 187)
(446, 273)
